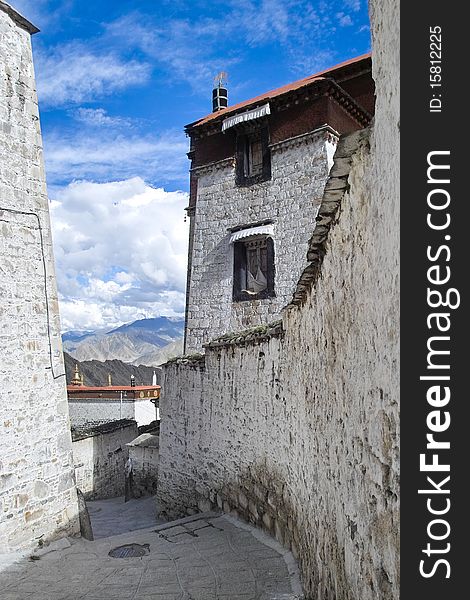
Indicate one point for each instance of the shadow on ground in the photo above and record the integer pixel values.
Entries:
(204, 557)
(113, 516)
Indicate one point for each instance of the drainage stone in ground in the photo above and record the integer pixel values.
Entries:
(130, 551)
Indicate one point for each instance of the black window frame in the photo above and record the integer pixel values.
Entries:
(244, 137)
(240, 268)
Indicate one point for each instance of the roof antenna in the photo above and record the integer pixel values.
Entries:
(219, 92)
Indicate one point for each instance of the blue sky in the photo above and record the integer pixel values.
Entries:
(117, 82)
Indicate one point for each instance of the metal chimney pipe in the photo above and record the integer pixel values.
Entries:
(220, 93)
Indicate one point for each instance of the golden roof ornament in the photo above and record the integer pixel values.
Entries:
(76, 379)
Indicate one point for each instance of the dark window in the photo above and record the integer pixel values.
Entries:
(253, 157)
(253, 269)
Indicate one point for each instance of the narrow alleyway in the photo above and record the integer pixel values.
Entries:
(204, 557)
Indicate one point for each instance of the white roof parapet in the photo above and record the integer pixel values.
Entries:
(18, 18)
(251, 232)
(249, 115)
(145, 440)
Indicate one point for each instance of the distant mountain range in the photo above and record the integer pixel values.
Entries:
(149, 342)
(96, 373)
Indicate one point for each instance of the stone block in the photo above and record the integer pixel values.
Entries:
(267, 521)
(253, 509)
(242, 500)
(204, 505)
(279, 531)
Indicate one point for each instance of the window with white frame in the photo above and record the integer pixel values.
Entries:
(253, 268)
(253, 156)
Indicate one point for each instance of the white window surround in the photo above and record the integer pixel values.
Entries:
(251, 232)
(249, 115)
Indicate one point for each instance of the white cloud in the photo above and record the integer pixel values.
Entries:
(312, 63)
(110, 154)
(344, 20)
(354, 5)
(73, 73)
(193, 51)
(263, 22)
(186, 50)
(86, 315)
(98, 117)
(121, 252)
(41, 12)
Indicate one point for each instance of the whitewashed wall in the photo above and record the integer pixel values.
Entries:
(85, 411)
(37, 490)
(291, 198)
(145, 411)
(295, 428)
(144, 456)
(100, 457)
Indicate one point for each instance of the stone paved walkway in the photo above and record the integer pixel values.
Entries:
(114, 516)
(205, 557)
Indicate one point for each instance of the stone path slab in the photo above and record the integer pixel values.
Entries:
(204, 557)
(114, 516)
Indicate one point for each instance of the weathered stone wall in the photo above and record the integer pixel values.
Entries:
(144, 456)
(37, 491)
(100, 456)
(291, 197)
(86, 411)
(295, 428)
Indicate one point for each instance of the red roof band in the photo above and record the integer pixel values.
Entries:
(112, 388)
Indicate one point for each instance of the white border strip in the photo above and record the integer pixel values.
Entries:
(249, 115)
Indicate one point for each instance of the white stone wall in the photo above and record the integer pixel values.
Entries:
(86, 411)
(100, 460)
(145, 411)
(291, 198)
(144, 456)
(298, 431)
(37, 491)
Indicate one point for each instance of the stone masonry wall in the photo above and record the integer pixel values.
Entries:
(144, 456)
(295, 427)
(86, 411)
(291, 197)
(37, 490)
(100, 457)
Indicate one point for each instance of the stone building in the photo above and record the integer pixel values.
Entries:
(143, 455)
(94, 405)
(100, 455)
(37, 491)
(258, 170)
(295, 426)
